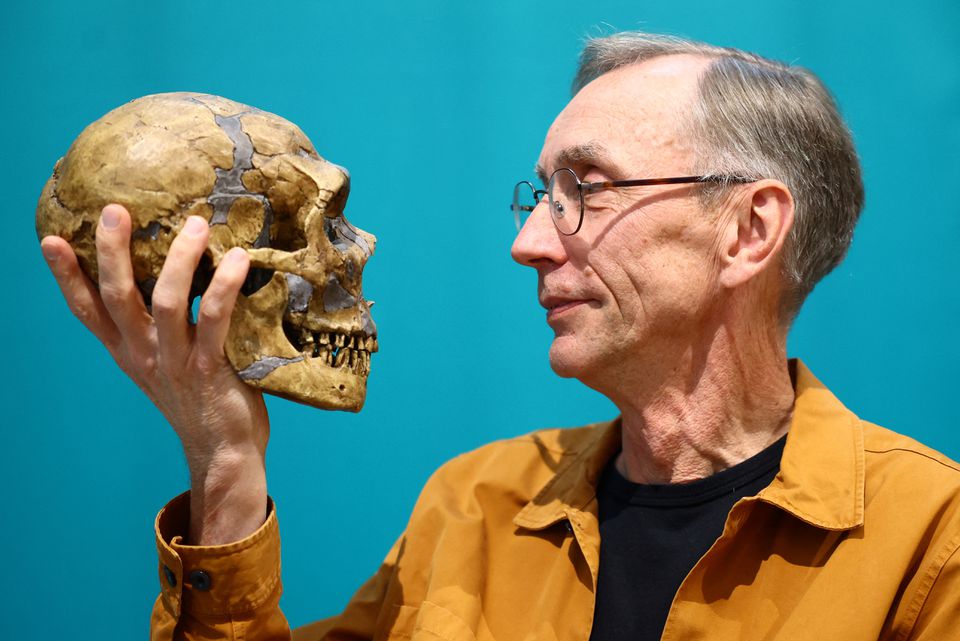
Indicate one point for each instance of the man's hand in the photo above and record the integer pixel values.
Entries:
(182, 368)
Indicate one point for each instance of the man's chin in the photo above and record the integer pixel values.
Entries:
(586, 361)
(565, 362)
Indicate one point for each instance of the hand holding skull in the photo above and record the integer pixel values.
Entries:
(221, 422)
(213, 187)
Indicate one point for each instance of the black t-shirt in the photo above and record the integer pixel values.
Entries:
(651, 536)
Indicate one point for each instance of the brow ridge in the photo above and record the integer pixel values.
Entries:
(586, 153)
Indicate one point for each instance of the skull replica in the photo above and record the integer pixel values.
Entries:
(301, 328)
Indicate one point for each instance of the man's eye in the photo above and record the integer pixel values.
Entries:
(603, 199)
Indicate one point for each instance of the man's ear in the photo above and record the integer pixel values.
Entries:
(755, 232)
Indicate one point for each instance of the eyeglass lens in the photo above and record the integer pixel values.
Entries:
(566, 205)
(524, 200)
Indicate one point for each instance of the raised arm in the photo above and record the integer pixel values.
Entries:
(181, 367)
(222, 422)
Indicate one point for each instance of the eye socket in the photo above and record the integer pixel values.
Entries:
(257, 278)
(288, 236)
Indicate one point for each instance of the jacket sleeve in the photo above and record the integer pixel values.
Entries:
(217, 592)
(232, 592)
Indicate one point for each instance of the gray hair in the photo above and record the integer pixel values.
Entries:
(760, 118)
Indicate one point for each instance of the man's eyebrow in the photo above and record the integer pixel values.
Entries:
(541, 174)
(583, 154)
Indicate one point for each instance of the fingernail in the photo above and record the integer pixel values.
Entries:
(50, 253)
(195, 225)
(109, 218)
(235, 255)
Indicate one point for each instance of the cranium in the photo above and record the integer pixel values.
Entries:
(301, 328)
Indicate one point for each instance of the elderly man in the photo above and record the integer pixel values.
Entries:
(693, 196)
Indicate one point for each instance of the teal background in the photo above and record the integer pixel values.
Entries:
(437, 108)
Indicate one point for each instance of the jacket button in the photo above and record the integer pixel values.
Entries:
(170, 576)
(200, 580)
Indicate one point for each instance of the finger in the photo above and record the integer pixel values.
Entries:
(172, 292)
(216, 306)
(119, 292)
(79, 291)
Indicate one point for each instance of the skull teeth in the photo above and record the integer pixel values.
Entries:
(344, 351)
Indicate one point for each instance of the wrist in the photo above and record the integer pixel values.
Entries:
(228, 499)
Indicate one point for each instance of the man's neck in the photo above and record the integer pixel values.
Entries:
(709, 411)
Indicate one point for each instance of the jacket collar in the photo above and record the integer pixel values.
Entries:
(574, 485)
(820, 480)
(821, 474)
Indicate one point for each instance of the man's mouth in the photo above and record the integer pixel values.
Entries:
(558, 306)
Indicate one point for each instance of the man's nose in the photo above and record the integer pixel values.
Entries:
(538, 239)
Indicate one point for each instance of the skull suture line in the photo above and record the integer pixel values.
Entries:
(301, 328)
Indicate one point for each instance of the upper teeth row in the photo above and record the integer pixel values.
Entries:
(363, 343)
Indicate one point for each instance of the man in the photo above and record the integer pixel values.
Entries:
(693, 197)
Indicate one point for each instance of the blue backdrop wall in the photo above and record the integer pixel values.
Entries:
(437, 108)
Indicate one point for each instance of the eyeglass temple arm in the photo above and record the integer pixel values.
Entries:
(674, 180)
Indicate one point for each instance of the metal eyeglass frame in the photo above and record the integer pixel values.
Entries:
(538, 194)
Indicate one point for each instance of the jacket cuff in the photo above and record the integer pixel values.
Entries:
(216, 580)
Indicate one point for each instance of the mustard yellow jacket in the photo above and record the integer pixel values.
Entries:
(856, 538)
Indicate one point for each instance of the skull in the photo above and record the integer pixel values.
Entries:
(301, 328)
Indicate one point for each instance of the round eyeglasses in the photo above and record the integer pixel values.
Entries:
(565, 192)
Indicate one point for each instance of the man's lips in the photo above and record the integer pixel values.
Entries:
(556, 306)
